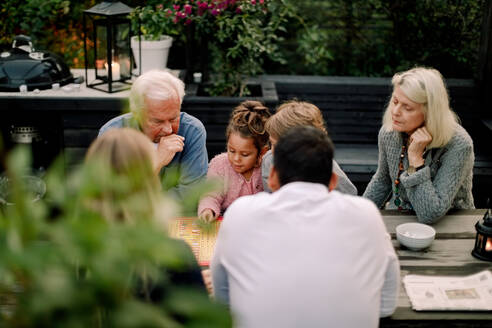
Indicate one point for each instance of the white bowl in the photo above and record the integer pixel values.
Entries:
(415, 236)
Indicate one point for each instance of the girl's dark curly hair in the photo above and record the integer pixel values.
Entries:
(248, 119)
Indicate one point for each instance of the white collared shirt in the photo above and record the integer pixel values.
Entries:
(305, 257)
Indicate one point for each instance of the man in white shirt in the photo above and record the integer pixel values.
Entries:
(305, 255)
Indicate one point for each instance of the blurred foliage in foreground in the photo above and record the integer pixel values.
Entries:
(63, 265)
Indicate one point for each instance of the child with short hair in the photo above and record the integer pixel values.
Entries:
(239, 168)
(297, 113)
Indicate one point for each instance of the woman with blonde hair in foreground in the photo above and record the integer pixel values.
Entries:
(425, 157)
(131, 192)
(131, 156)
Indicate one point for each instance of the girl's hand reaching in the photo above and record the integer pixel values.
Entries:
(208, 215)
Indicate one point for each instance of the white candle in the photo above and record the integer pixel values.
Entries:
(115, 70)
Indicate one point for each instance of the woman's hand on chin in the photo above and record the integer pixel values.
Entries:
(419, 140)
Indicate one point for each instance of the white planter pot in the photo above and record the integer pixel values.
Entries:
(154, 52)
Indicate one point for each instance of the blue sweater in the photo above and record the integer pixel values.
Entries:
(191, 163)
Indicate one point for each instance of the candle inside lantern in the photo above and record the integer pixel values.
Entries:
(115, 70)
(124, 62)
(488, 245)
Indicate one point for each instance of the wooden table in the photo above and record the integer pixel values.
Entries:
(449, 254)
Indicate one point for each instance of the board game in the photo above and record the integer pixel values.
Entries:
(201, 241)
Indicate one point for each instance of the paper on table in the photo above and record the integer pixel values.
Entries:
(202, 243)
(438, 293)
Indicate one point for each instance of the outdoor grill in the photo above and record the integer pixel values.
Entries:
(24, 69)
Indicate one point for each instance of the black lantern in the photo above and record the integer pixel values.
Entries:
(483, 240)
(107, 35)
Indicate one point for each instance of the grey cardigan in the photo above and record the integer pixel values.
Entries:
(344, 184)
(444, 183)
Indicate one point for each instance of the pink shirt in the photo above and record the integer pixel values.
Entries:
(234, 185)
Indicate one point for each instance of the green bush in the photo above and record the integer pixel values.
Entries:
(327, 37)
(380, 37)
(239, 44)
(63, 265)
(54, 25)
(238, 34)
(153, 22)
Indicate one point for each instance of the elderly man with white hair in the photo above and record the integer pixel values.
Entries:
(180, 139)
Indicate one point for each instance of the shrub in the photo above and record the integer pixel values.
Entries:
(63, 265)
(380, 37)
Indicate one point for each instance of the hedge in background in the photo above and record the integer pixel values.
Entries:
(380, 37)
(54, 25)
(327, 37)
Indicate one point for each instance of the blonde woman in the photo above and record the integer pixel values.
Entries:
(425, 157)
(298, 113)
(128, 153)
(131, 192)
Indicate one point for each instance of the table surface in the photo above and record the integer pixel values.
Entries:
(449, 254)
(70, 92)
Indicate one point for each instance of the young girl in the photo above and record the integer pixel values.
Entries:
(239, 169)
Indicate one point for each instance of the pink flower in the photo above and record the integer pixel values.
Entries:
(160, 6)
(215, 12)
(176, 7)
(239, 10)
(187, 9)
(262, 1)
(253, 2)
(188, 22)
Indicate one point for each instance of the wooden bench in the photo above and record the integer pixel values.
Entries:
(352, 107)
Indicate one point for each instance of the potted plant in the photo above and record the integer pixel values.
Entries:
(151, 46)
(245, 34)
(228, 38)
